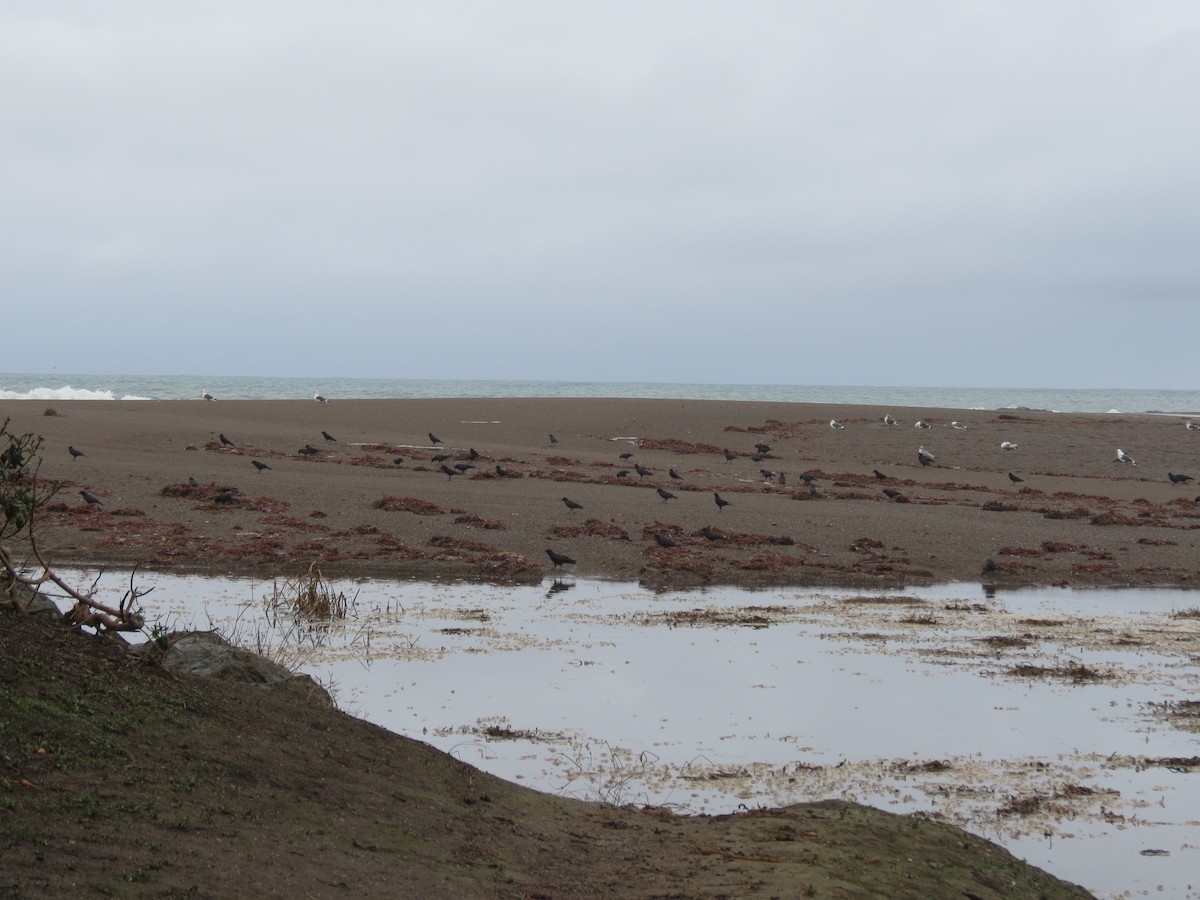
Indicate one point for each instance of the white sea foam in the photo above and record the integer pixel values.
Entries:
(66, 392)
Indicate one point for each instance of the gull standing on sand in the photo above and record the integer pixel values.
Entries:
(207, 396)
(924, 457)
(888, 420)
(317, 396)
(836, 425)
(1123, 457)
(1008, 445)
(921, 423)
(1191, 426)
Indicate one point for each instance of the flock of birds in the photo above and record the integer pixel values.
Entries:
(925, 457)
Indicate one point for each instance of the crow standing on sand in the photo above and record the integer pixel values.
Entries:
(1179, 479)
(259, 465)
(666, 495)
(75, 454)
(225, 442)
(880, 475)
(730, 456)
(559, 559)
(642, 471)
(434, 439)
(90, 499)
(664, 541)
(675, 476)
(1015, 479)
(710, 534)
(721, 502)
(329, 438)
(571, 504)
(449, 472)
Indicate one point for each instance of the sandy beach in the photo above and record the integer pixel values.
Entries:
(375, 500)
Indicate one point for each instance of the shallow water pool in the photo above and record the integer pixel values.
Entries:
(1035, 718)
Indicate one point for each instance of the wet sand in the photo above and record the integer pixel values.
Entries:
(1078, 517)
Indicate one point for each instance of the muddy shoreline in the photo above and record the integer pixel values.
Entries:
(813, 509)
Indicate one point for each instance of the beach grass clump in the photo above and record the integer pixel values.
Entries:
(310, 597)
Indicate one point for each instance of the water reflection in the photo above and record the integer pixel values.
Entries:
(1026, 716)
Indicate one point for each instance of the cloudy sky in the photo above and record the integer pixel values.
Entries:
(962, 192)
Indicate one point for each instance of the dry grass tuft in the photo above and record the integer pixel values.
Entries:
(310, 597)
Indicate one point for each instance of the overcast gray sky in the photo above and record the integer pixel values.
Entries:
(878, 192)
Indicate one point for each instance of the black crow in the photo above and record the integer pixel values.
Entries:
(664, 541)
(1015, 479)
(710, 534)
(434, 439)
(720, 501)
(642, 471)
(90, 499)
(666, 495)
(553, 439)
(571, 504)
(329, 438)
(880, 475)
(439, 457)
(763, 448)
(463, 467)
(449, 472)
(75, 454)
(308, 450)
(225, 442)
(1179, 479)
(398, 461)
(675, 476)
(559, 559)
(892, 493)
(259, 465)
(192, 482)
(625, 455)
(730, 456)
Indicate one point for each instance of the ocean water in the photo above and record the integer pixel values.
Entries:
(225, 387)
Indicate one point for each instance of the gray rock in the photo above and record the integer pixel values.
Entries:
(208, 655)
